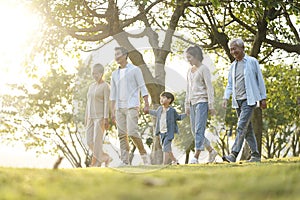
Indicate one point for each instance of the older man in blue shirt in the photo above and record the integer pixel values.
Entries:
(127, 83)
(246, 85)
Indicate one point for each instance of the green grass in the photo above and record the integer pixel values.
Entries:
(271, 179)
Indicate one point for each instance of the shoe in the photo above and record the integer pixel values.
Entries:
(254, 159)
(122, 164)
(175, 162)
(145, 159)
(194, 161)
(229, 158)
(108, 160)
(212, 156)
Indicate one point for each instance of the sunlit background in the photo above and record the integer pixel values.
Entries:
(19, 27)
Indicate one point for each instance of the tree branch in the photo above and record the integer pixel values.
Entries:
(241, 22)
(285, 46)
(140, 15)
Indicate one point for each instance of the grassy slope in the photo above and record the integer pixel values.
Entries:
(271, 179)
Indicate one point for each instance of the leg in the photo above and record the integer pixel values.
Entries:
(167, 150)
(98, 147)
(251, 140)
(166, 158)
(132, 127)
(122, 134)
(98, 141)
(90, 139)
(201, 114)
(244, 114)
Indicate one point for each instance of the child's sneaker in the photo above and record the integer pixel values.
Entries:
(212, 156)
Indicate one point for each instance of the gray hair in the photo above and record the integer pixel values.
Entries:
(98, 67)
(237, 41)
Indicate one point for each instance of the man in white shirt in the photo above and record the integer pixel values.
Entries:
(126, 85)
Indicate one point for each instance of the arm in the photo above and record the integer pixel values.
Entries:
(146, 108)
(141, 83)
(106, 105)
(209, 86)
(228, 89)
(261, 86)
(187, 96)
(153, 112)
(112, 97)
(179, 116)
(113, 111)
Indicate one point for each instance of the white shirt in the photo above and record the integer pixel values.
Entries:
(163, 122)
(123, 89)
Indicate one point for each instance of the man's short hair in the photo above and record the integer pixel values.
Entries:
(169, 95)
(237, 41)
(123, 50)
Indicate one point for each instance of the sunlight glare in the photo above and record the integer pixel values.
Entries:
(18, 27)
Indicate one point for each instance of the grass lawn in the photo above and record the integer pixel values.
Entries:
(271, 179)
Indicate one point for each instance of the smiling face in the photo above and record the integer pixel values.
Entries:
(237, 51)
(120, 57)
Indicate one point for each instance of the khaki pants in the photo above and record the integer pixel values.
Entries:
(94, 138)
(127, 124)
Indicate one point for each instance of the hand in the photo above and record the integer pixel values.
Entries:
(212, 111)
(106, 124)
(113, 119)
(187, 111)
(146, 109)
(263, 104)
(224, 104)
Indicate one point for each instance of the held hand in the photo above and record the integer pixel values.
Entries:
(106, 124)
(263, 104)
(224, 104)
(146, 109)
(212, 111)
(113, 119)
(188, 111)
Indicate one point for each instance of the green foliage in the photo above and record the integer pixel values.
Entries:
(282, 116)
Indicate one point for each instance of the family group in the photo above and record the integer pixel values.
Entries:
(122, 99)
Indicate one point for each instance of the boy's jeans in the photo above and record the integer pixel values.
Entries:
(245, 129)
(198, 115)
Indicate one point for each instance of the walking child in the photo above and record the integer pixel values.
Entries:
(166, 125)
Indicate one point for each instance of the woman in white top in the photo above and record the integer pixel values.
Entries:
(97, 113)
(199, 100)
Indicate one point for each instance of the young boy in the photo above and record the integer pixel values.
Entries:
(166, 125)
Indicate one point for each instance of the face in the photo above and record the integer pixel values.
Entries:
(119, 56)
(191, 59)
(97, 75)
(164, 100)
(236, 51)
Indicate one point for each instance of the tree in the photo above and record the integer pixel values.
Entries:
(43, 117)
(281, 127)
